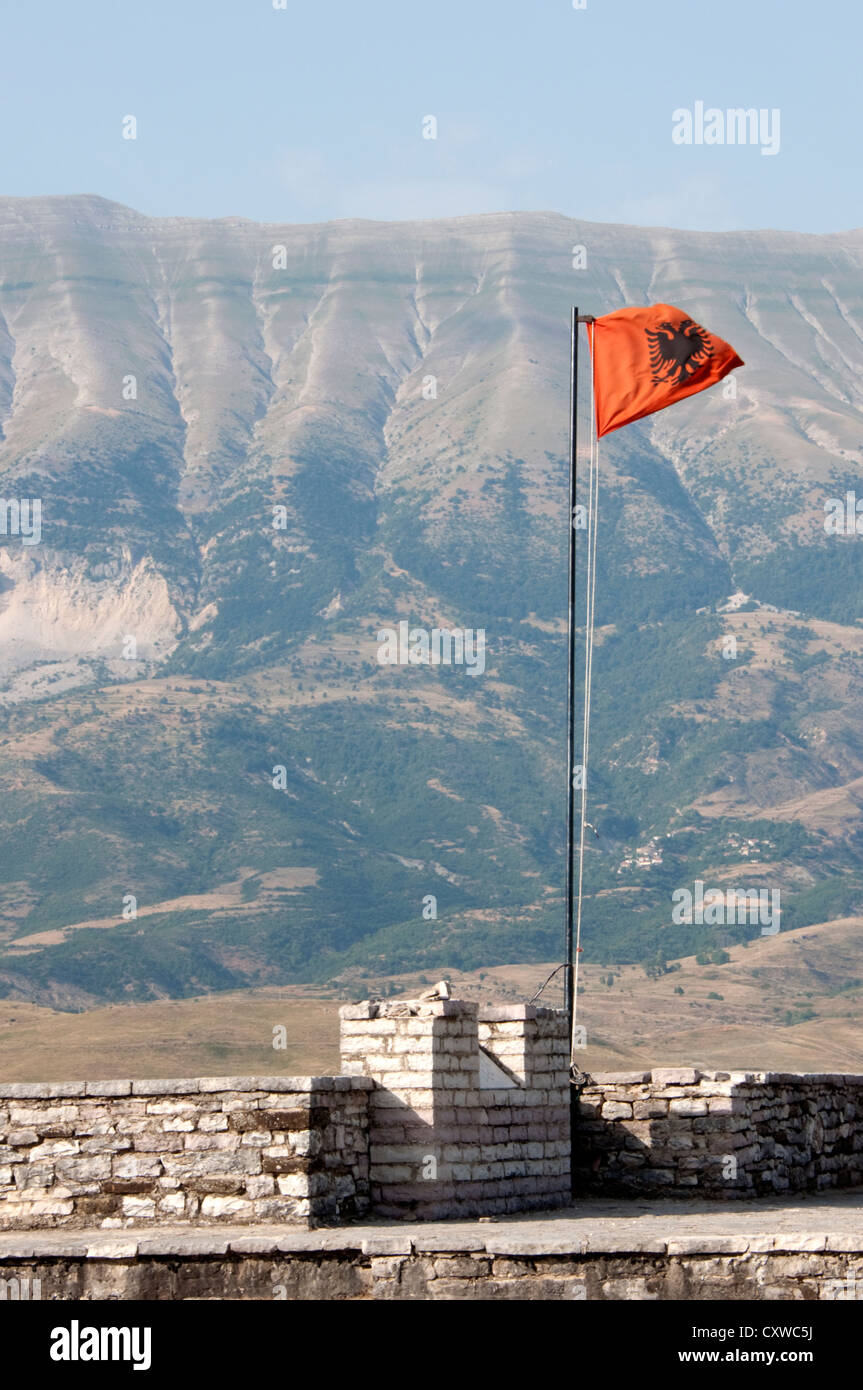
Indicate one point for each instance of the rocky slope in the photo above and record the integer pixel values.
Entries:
(256, 445)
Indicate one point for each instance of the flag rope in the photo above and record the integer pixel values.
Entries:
(590, 586)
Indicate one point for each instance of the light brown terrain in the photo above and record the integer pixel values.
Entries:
(215, 1035)
(756, 1023)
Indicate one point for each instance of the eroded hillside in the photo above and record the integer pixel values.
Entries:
(255, 446)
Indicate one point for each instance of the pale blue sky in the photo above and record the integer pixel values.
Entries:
(314, 111)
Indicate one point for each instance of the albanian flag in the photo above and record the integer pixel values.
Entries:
(646, 359)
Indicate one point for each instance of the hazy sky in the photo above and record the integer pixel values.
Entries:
(315, 111)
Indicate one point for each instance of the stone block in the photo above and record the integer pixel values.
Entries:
(40, 1090)
(223, 1208)
(136, 1166)
(649, 1109)
(687, 1106)
(157, 1143)
(54, 1148)
(108, 1088)
(139, 1208)
(617, 1110)
(159, 1087)
(21, 1138)
(95, 1166)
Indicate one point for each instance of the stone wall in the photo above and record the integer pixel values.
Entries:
(521, 1261)
(719, 1134)
(444, 1110)
(118, 1153)
(439, 1113)
(470, 1113)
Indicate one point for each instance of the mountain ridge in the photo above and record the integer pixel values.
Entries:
(400, 391)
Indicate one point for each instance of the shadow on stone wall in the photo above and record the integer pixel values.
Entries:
(678, 1131)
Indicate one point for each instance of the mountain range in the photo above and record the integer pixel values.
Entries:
(253, 447)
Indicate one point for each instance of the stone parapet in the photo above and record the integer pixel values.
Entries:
(444, 1110)
(719, 1133)
(201, 1150)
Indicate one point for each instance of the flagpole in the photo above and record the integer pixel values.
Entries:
(570, 676)
(569, 968)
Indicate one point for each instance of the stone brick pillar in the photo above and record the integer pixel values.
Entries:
(530, 1043)
(457, 1128)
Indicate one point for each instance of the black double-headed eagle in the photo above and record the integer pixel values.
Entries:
(677, 353)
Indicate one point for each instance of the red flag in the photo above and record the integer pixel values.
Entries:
(646, 359)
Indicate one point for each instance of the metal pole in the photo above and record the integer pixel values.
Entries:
(569, 981)
(569, 1000)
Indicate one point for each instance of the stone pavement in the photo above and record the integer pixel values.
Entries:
(593, 1226)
